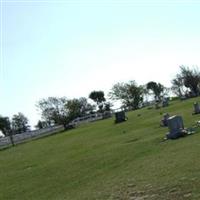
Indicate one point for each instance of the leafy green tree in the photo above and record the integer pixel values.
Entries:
(62, 110)
(187, 78)
(73, 107)
(41, 124)
(107, 106)
(85, 107)
(145, 92)
(78, 107)
(5, 125)
(156, 88)
(19, 123)
(178, 85)
(129, 94)
(53, 109)
(191, 79)
(99, 98)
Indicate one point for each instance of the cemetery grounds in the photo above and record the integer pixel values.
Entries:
(103, 160)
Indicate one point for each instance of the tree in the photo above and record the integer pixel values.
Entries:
(19, 123)
(78, 107)
(53, 109)
(85, 107)
(129, 94)
(187, 78)
(5, 125)
(191, 79)
(156, 88)
(107, 106)
(62, 110)
(178, 85)
(98, 98)
(41, 124)
(145, 92)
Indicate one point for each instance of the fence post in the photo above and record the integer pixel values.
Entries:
(11, 138)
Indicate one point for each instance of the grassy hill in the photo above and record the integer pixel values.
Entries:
(103, 160)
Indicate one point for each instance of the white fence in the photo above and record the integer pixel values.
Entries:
(91, 118)
(19, 138)
(87, 118)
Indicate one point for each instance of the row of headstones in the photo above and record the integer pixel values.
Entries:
(175, 125)
(196, 109)
(196, 106)
(121, 117)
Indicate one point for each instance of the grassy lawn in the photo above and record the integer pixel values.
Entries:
(102, 160)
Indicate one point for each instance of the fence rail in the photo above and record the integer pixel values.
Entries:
(19, 138)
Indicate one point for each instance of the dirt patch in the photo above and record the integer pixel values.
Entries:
(132, 192)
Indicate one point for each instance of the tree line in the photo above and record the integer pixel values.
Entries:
(61, 111)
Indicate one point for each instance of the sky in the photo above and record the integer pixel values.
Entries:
(70, 48)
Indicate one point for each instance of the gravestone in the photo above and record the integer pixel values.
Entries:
(196, 108)
(165, 102)
(164, 121)
(120, 117)
(176, 127)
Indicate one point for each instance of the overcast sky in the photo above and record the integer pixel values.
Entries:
(69, 48)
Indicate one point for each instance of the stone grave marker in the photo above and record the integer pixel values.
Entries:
(120, 117)
(196, 108)
(176, 127)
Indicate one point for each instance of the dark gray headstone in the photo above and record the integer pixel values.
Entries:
(196, 108)
(176, 127)
(175, 123)
(120, 117)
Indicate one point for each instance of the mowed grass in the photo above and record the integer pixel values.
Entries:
(103, 160)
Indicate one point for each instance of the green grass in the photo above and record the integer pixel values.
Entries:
(103, 160)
